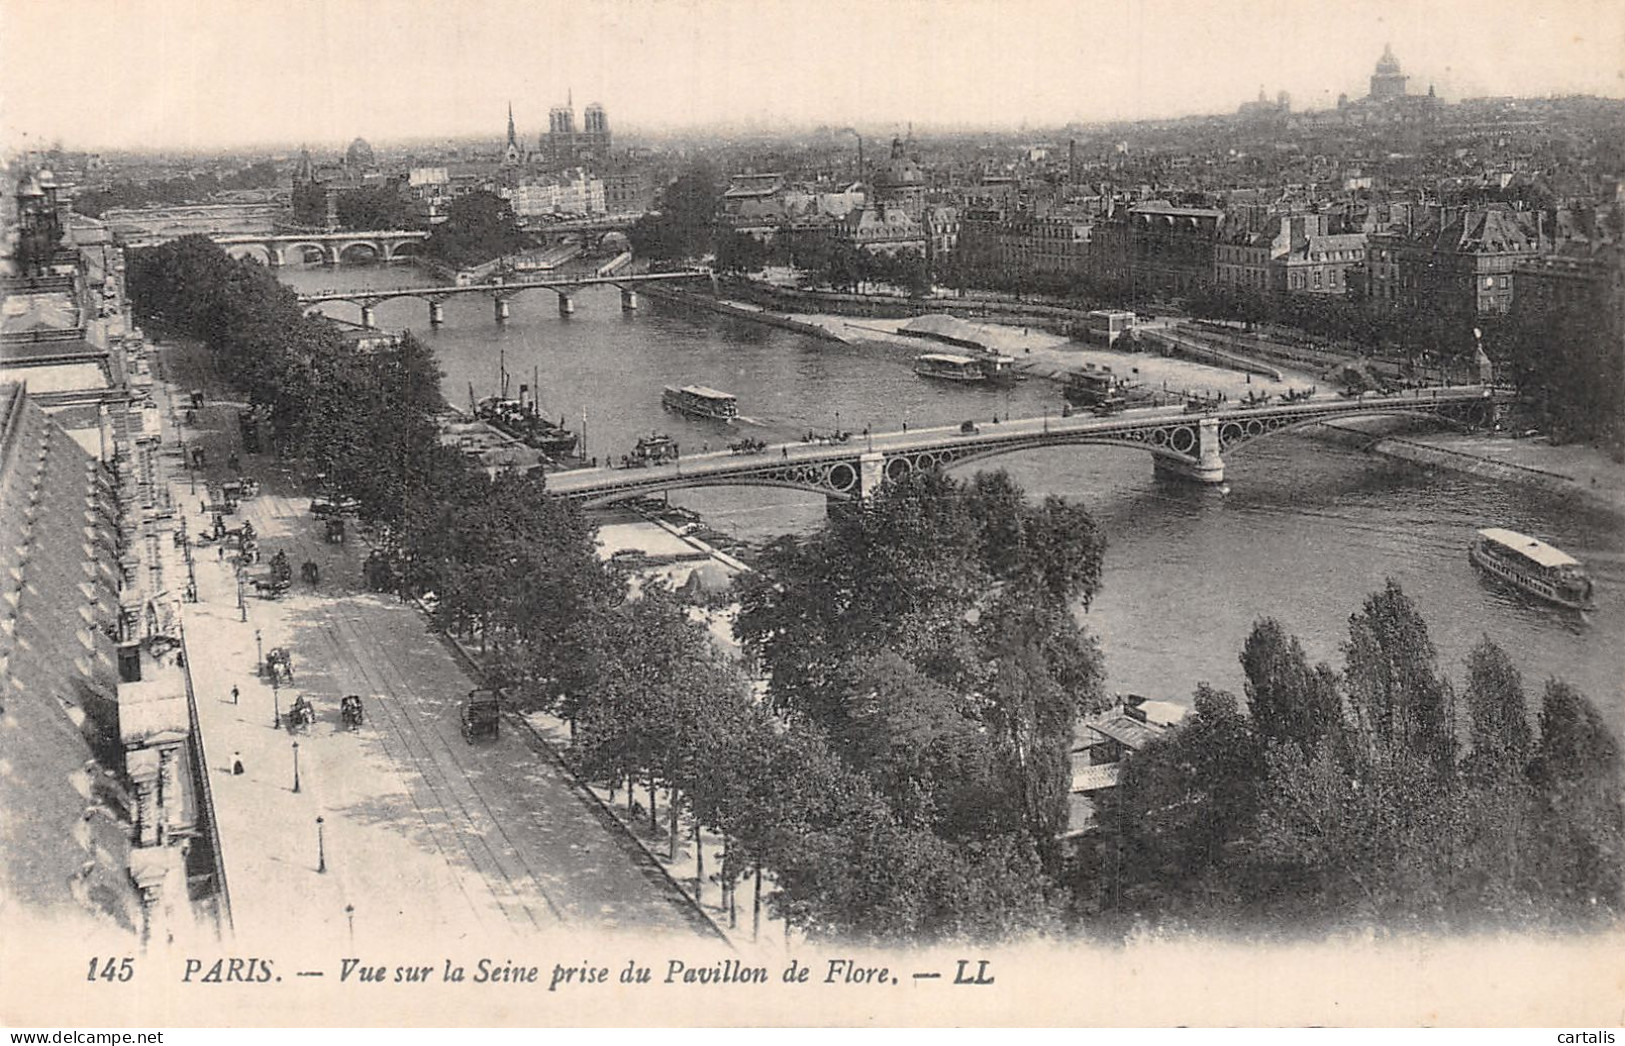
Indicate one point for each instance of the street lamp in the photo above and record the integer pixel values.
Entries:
(242, 608)
(276, 705)
(259, 655)
(321, 848)
(296, 767)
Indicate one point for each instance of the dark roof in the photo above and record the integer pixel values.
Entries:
(1118, 726)
(63, 844)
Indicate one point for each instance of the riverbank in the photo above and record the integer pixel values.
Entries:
(1577, 471)
(1038, 351)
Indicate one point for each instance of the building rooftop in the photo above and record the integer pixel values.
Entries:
(63, 843)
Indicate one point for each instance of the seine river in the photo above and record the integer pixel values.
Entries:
(1306, 531)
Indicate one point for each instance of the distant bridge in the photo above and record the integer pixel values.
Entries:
(600, 223)
(1186, 445)
(373, 245)
(370, 298)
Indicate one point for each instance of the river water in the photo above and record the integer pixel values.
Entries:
(1305, 532)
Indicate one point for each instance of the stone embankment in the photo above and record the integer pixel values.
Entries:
(1573, 471)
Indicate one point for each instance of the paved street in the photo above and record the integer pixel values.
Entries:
(423, 833)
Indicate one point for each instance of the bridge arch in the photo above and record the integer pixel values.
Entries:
(257, 251)
(403, 249)
(300, 250)
(358, 250)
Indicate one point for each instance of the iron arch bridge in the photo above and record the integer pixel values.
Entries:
(1185, 445)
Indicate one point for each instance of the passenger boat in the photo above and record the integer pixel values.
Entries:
(697, 401)
(949, 367)
(1533, 566)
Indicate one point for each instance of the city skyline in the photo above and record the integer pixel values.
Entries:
(238, 75)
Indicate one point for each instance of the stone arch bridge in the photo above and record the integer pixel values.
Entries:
(334, 247)
(1190, 446)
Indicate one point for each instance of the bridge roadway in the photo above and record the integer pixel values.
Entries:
(1186, 444)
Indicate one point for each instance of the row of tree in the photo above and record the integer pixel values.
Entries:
(904, 774)
(1378, 795)
(510, 565)
(364, 419)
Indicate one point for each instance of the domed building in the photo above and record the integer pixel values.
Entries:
(359, 154)
(900, 182)
(1387, 82)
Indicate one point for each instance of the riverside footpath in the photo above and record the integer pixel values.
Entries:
(400, 831)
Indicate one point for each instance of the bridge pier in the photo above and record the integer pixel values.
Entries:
(567, 305)
(1208, 466)
(629, 299)
(437, 313)
(871, 473)
(368, 319)
(275, 257)
(502, 309)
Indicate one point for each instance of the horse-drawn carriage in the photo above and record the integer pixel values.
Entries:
(350, 711)
(482, 715)
(279, 664)
(335, 530)
(269, 586)
(309, 572)
(301, 715)
(382, 571)
(237, 490)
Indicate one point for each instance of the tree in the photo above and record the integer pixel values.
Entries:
(1577, 777)
(1498, 718)
(1500, 799)
(1289, 702)
(479, 226)
(685, 224)
(1182, 813)
(373, 208)
(1392, 679)
(739, 252)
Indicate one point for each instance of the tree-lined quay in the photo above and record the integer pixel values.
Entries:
(905, 775)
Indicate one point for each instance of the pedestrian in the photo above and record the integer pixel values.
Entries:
(220, 553)
(236, 764)
(234, 693)
(905, 426)
(786, 452)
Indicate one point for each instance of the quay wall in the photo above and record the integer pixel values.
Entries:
(728, 308)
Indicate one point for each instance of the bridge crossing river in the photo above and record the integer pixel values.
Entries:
(1186, 444)
(1306, 531)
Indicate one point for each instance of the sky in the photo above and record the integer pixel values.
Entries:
(204, 74)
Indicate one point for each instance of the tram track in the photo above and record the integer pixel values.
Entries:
(429, 752)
